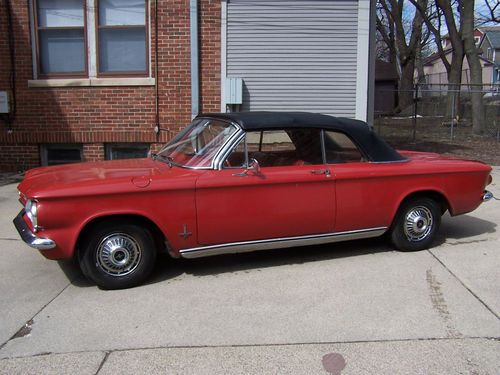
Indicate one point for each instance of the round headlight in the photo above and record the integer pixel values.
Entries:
(31, 211)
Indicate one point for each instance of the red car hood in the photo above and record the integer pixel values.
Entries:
(86, 177)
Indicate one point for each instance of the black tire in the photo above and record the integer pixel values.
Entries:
(416, 224)
(118, 256)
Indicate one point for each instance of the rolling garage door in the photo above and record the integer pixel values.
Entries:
(294, 55)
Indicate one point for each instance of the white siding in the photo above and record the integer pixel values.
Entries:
(294, 55)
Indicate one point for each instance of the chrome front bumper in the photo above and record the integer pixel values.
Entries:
(29, 237)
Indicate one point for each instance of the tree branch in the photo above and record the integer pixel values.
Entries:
(436, 32)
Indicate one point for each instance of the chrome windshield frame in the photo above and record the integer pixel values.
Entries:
(217, 160)
(226, 149)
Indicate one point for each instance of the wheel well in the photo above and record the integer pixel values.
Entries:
(158, 235)
(432, 194)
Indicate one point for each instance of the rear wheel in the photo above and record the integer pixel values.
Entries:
(416, 224)
(117, 256)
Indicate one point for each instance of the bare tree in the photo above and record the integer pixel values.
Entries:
(386, 46)
(488, 13)
(423, 52)
(448, 11)
(476, 70)
(402, 43)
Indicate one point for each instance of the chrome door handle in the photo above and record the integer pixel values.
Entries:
(321, 171)
(241, 174)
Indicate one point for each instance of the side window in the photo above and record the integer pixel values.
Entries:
(278, 148)
(340, 149)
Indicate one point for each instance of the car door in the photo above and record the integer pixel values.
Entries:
(365, 191)
(282, 196)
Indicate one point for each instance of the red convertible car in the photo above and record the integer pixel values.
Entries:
(236, 182)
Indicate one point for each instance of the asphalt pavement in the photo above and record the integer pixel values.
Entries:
(275, 312)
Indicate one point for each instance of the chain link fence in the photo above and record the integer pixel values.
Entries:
(440, 120)
(440, 112)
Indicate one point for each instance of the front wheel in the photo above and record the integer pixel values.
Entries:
(117, 256)
(416, 224)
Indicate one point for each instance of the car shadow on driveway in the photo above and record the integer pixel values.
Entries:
(280, 257)
(463, 227)
(457, 228)
(73, 272)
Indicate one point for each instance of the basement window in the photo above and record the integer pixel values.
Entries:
(116, 151)
(54, 154)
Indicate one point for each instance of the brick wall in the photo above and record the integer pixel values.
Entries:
(93, 151)
(97, 115)
(22, 156)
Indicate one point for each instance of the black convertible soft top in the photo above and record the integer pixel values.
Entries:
(373, 146)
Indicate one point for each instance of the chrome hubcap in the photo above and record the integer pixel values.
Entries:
(418, 223)
(118, 254)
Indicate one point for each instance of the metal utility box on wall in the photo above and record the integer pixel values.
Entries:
(234, 90)
(4, 102)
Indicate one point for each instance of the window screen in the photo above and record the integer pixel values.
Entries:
(122, 36)
(61, 41)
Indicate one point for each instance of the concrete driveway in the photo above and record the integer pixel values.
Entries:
(430, 312)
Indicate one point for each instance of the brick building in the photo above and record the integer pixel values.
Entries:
(89, 79)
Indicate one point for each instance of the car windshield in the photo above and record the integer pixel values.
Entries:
(197, 145)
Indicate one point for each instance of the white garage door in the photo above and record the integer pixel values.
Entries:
(294, 55)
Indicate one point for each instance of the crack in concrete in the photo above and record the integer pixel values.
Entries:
(106, 355)
(439, 304)
(467, 242)
(24, 330)
(462, 338)
(464, 285)
(33, 317)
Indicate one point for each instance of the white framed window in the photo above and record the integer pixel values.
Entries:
(489, 53)
(60, 37)
(90, 39)
(122, 37)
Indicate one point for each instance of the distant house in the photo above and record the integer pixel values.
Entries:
(386, 88)
(490, 46)
(488, 40)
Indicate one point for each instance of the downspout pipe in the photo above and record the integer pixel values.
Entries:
(195, 68)
(371, 65)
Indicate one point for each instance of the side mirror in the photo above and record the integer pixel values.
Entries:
(254, 166)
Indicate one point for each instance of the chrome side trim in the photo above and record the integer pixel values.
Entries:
(280, 243)
(28, 236)
(487, 195)
(405, 160)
